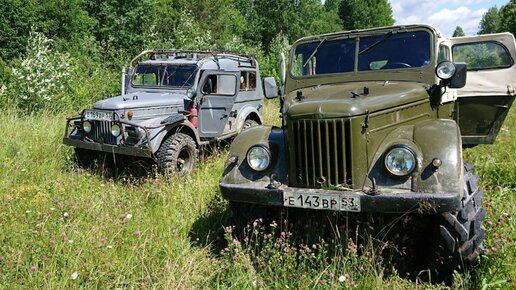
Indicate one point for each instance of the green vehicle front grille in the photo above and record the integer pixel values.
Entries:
(320, 153)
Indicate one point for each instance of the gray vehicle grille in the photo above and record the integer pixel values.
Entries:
(320, 153)
(101, 132)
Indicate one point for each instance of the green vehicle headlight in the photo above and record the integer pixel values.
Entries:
(258, 158)
(115, 130)
(445, 70)
(400, 161)
(86, 126)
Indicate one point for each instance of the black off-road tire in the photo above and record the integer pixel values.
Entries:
(177, 154)
(86, 158)
(249, 123)
(460, 234)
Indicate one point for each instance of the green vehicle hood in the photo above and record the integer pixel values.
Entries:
(337, 100)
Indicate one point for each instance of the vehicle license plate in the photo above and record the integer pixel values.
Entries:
(322, 201)
(98, 115)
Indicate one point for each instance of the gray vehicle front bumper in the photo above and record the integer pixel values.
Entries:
(116, 149)
(391, 201)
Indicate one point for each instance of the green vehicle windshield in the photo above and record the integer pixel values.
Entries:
(378, 52)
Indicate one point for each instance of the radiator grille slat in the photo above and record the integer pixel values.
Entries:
(321, 156)
(101, 132)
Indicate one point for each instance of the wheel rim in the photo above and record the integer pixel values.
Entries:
(184, 160)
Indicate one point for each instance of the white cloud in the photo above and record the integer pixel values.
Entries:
(446, 15)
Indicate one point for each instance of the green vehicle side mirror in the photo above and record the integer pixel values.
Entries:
(452, 74)
(271, 89)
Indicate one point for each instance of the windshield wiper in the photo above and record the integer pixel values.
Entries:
(314, 52)
(376, 43)
(189, 77)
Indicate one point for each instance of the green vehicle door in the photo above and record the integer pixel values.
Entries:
(484, 102)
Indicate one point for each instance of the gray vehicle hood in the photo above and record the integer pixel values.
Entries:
(141, 100)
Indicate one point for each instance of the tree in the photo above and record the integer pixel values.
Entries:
(332, 5)
(508, 17)
(490, 22)
(120, 25)
(458, 32)
(360, 14)
(63, 21)
(293, 19)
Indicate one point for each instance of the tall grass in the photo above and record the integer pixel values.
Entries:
(65, 227)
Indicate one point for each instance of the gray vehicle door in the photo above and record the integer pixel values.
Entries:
(216, 96)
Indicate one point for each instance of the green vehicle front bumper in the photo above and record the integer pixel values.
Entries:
(384, 201)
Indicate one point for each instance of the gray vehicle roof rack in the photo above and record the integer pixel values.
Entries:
(194, 54)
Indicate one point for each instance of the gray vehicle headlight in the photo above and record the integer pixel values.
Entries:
(86, 126)
(400, 161)
(258, 158)
(115, 130)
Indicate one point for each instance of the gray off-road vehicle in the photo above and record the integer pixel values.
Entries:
(173, 104)
(375, 121)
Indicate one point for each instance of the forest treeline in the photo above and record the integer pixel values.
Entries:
(65, 54)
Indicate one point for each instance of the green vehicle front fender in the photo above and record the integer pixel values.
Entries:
(430, 139)
(236, 169)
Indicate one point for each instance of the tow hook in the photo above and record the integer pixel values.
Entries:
(373, 191)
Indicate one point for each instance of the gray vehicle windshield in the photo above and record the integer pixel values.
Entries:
(174, 76)
(379, 52)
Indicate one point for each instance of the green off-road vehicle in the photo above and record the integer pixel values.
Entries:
(375, 121)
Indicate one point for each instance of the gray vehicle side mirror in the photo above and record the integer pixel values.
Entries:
(271, 89)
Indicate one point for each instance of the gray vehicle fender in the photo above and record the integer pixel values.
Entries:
(236, 169)
(428, 139)
(184, 126)
(244, 113)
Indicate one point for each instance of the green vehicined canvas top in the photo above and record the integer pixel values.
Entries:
(375, 121)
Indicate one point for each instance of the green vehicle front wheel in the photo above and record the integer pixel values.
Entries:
(460, 234)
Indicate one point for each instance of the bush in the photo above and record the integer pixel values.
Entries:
(41, 77)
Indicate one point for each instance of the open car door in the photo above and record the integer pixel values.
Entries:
(484, 102)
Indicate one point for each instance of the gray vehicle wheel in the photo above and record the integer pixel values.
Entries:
(178, 153)
(460, 234)
(249, 123)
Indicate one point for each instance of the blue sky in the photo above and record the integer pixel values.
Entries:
(443, 14)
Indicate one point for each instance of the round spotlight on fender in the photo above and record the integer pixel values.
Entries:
(445, 70)
(115, 130)
(86, 126)
(400, 161)
(258, 158)
(190, 93)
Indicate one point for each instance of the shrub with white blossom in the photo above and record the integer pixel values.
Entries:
(42, 76)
